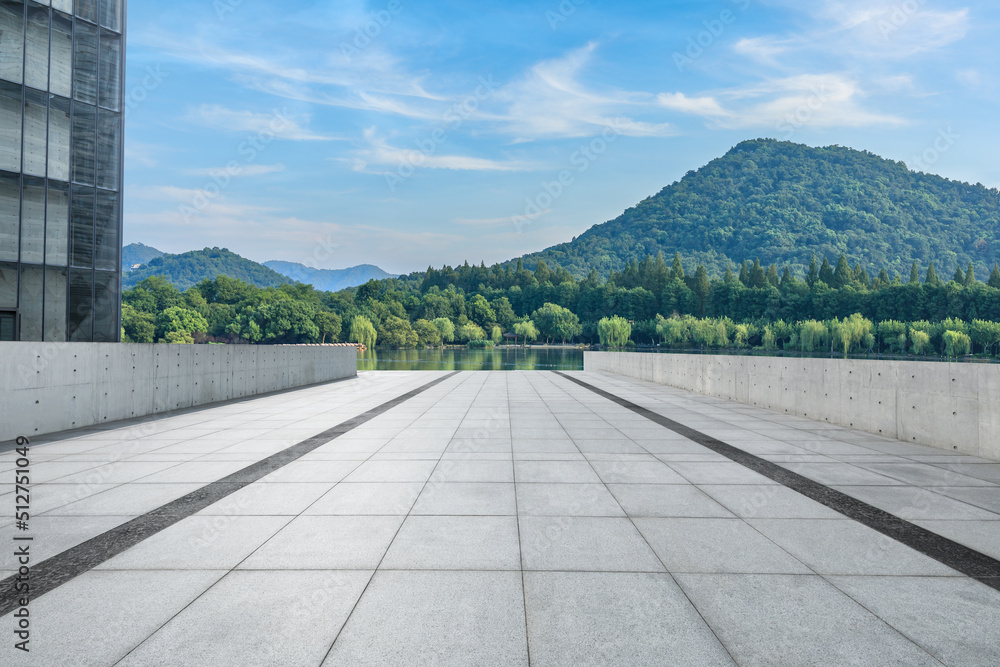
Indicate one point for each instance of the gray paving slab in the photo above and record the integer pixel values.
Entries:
(284, 618)
(326, 543)
(460, 619)
(594, 544)
(612, 618)
(770, 501)
(636, 472)
(953, 619)
(555, 472)
(842, 546)
(666, 500)
(771, 620)
(716, 546)
(466, 498)
(566, 500)
(455, 543)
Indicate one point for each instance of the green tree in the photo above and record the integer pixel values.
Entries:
(139, 327)
(427, 333)
(614, 331)
(446, 328)
(959, 277)
(677, 270)
(182, 322)
(995, 276)
(526, 330)
(479, 311)
(772, 276)
(970, 275)
(701, 288)
(813, 335)
(931, 278)
(956, 344)
(985, 334)
(554, 321)
(745, 274)
(470, 332)
(914, 274)
(893, 335)
(813, 274)
(826, 272)
(920, 341)
(758, 278)
(396, 332)
(496, 335)
(363, 332)
(843, 275)
(329, 325)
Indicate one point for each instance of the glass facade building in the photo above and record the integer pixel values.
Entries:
(61, 100)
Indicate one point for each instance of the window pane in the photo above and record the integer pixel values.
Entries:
(55, 304)
(106, 231)
(11, 40)
(108, 143)
(35, 128)
(57, 225)
(85, 64)
(84, 143)
(8, 285)
(58, 138)
(64, 5)
(33, 220)
(82, 227)
(111, 14)
(106, 307)
(10, 216)
(30, 303)
(110, 78)
(36, 49)
(10, 126)
(81, 305)
(61, 74)
(87, 9)
(7, 322)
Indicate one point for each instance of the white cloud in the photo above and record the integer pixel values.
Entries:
(823, 100)
(549, 101)
(278, 124)
(699, 106)
(380, 153)
(764, 50)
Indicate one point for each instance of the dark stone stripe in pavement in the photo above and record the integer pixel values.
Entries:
(957, 556)
(57, 570)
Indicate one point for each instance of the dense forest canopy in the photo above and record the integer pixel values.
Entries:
(781, 202)
(190, 268)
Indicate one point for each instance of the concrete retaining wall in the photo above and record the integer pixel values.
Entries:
(51, 387)
(955, 407)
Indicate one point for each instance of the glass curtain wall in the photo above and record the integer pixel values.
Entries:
(61, 68)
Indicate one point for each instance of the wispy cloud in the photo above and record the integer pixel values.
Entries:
(822, 100)
(279, 123)
(378, 152)
(550, 101)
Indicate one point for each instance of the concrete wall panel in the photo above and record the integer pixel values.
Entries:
(51, 387)
(955, 407)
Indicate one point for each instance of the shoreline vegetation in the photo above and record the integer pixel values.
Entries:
(834, 308)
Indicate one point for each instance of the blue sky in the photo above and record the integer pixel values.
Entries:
(405, 133)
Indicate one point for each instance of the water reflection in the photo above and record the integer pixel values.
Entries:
(503, 359)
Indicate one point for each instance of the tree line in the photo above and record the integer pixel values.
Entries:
(481, 305)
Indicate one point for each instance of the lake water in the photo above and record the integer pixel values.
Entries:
(503, 359)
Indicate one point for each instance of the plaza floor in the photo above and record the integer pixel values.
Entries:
(498, 518)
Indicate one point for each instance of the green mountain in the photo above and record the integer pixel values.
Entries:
(780, 202)
(135, 255)
(190, 268)
(330, 280)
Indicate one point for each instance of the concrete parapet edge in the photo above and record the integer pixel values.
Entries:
(51, 387)
(951, 406)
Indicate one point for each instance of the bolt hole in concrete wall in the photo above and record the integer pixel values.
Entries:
(868, 395)
(51, 387)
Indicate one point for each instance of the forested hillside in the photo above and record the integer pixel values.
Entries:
(190, 268)
(781, 202)
(330, 280)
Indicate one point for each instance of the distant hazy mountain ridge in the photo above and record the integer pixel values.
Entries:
(330, 280)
